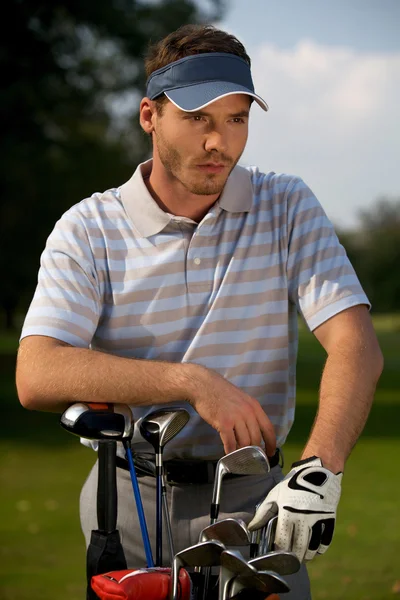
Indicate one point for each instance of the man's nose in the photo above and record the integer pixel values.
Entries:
(216, 140)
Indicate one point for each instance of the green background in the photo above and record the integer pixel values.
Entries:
(42, 469)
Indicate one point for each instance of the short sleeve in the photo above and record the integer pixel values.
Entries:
(66, 304)
(321, 279)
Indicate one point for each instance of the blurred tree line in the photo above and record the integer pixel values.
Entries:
(374, 250)
(72, 75)
(72, 78)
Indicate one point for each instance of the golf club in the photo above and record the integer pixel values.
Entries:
(109, 422)
(282, 562)
(249, 460)
(105, 549)
(255, 538)
(139, 504)
(231, 532)
(205, 554)
(158, 428)
(101, 423)
(232, 565)
(98, 421)
(267, 582)
(267, 536)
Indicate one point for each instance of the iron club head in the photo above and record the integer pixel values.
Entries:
(284, 563)
(265, 581)
(204, 554)
(232, 565)
(231, 532)
(250, 460)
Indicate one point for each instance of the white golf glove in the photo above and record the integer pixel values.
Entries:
(305, 501)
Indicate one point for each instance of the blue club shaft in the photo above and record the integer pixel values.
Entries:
(139, 506)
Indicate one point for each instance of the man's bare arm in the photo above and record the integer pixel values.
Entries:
(51, 375)
(348, 383)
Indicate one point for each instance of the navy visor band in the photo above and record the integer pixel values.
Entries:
(195, 81)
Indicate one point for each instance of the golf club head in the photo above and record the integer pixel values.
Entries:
(267, 582)
(249, 460)
(281, 562)
(204, 554)
(99, 422)
(232, 565)
(231, 532)
(233, 561)
(160, 426)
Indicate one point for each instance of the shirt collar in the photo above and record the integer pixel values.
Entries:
(149, 219)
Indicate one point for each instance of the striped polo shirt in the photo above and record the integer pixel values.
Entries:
(120, 275)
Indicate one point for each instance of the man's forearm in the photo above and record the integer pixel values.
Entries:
(52, 380)
(346, 394)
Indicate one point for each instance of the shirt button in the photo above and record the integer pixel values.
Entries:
(197, 261)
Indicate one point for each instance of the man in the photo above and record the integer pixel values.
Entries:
(182, 287)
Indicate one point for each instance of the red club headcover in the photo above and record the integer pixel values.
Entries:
(140, 584)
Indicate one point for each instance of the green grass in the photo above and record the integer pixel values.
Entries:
(42, 469)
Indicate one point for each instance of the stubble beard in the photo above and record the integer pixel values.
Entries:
(172, 161)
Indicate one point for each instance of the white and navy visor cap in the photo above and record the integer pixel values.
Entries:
(193, 82)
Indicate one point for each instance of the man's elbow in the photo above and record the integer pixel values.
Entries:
(28, 393)
(34, 378)
(31, 378)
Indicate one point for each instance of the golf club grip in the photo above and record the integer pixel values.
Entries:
(107, 486)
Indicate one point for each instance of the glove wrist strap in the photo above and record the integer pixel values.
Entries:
(299, 463)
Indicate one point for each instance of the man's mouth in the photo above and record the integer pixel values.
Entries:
(211, 167)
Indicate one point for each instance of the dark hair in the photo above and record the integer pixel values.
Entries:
(189, 40)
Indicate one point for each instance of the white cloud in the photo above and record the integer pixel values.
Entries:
(334, 120)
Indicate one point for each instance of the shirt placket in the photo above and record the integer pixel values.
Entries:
(198, 259)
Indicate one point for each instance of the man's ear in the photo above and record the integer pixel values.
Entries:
(147, 112)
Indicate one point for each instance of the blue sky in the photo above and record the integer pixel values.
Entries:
(368, 25)
(330, 72)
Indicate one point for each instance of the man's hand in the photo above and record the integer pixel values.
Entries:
(238, 418)
(306, 502)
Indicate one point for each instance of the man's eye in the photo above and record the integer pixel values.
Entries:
(238, 120)
(197, 118)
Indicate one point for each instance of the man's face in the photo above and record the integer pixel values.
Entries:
(199, 149)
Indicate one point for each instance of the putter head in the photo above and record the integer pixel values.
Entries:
(281, 562)
(98, 422)
(231, 532)
(160, 426)
(265, 581)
